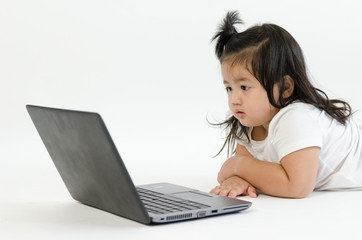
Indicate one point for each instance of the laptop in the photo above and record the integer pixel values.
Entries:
(93, 171)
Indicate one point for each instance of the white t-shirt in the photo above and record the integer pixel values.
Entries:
(300, 125)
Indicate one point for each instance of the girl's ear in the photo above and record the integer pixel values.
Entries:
(288, 87)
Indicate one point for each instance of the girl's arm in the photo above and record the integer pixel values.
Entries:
(295, 177)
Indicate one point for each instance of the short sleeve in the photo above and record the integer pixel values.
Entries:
(294, 128)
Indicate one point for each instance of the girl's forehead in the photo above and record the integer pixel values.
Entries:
(235, 70)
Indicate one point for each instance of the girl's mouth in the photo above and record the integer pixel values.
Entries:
(239, 114)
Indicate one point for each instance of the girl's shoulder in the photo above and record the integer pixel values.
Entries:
(297, 111)
(299, 106)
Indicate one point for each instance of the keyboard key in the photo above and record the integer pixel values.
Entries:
(159, 203)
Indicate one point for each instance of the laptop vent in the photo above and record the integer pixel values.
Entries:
(177, 217)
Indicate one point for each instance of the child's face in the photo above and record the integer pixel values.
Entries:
(247, 98)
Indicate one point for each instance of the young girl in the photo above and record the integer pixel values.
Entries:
(290, 138)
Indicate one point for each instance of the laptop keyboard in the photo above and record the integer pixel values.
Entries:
(159, 203)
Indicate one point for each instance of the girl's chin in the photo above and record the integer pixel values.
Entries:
(245, 123)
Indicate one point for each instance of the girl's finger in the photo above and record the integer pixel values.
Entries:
(252, 192)
(215, 190)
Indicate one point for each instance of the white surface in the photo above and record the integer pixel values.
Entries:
(148, 67)
(46, 211)
(320, 216)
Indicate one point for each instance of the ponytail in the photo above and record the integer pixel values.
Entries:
(225, 31)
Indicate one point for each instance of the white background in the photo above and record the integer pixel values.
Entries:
(149, 69)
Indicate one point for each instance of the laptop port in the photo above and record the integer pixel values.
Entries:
(201, 214)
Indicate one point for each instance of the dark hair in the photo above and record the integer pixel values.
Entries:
(271, 53)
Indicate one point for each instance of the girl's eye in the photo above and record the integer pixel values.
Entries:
(244, 88)
(228, 89)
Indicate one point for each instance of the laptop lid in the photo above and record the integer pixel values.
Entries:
(87, 160)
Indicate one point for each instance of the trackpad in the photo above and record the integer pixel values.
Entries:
(192, 195)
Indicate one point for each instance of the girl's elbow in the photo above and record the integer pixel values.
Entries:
(301, 195)
(301, 192)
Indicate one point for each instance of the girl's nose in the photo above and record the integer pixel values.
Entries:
(236, 99)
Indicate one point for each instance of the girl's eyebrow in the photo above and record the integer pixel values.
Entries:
(236, 80)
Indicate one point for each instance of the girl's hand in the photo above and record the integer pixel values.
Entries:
(229, 168)
(235, 186)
